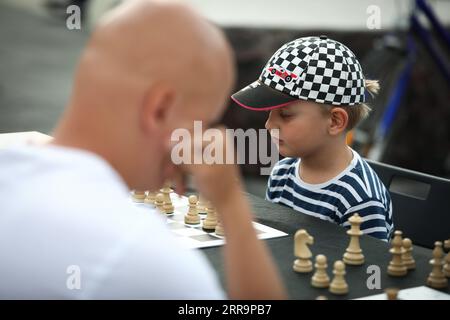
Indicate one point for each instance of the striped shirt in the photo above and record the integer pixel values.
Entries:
(357, 189)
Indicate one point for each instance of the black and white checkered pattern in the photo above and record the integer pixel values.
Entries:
(324, 71)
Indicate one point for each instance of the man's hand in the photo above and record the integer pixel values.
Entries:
(251, 274)
(214, 181)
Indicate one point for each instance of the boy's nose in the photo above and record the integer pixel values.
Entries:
(270, 121)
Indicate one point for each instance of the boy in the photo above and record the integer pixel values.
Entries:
(314, 89)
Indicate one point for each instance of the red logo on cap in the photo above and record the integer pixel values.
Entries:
(282, 73)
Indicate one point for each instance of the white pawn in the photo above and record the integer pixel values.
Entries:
(396, 266)
(150, 198)
(168, 208)
(192, 216)
(303, 262)
(339, 285)
(166, 191)
(353, 254)
(159, 202)
(219, 228)
(210, 223)
(391, 293)
(407, 257)
(138, 196)
(437, 278)
(447, 259)
(201, 206)
(320, 278)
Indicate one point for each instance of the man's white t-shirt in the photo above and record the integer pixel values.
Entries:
(69, 231)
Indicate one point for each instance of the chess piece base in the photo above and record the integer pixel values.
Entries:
(340, 290)
(138, 198)
(168, 209)
(320, 282)
(209, 226)
(397, 271)
(192, 220)
(355, 259)
(437, 283)
(302, 265)
(220, 232)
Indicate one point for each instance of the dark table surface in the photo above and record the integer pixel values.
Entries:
(330, 240)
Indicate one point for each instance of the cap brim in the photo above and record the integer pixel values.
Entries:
(257, 96)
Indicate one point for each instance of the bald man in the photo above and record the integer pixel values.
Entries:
(67, 228)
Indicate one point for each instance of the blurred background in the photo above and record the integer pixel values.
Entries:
(403, 43)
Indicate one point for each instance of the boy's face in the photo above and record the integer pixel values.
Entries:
(303, 128)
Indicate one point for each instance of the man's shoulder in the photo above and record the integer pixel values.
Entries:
(46, 160)
(84, 216)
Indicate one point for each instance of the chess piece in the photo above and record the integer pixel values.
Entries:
(321, 298)
(303, 262)
(391, 293)
(353, 254)
(447, 259)
(437, 279)
(166, 191)
(210, 223)
(168, 208)
(138, 196)
(219, 229)
(201, 206)
(407, 257)
(150, 198)
(396, 267)
(339, 285)
(320, 278)
(192, 216)
(159, 202)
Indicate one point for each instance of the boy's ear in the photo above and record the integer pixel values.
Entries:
(157, 105)
(338, 121)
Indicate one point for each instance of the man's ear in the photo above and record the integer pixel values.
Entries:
(157, 106)
(338, 121)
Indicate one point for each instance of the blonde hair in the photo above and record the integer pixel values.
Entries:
(358, 112)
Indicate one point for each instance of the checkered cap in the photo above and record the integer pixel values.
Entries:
(312, 68)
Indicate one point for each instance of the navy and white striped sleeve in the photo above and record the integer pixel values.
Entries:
(374, 216)
(273, 179)
(269, 181)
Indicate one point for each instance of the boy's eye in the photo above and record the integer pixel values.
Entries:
(285, 115)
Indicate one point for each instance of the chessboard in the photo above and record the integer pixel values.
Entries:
(193, 236)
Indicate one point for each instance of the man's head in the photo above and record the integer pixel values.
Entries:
(314, 89)
(149, 68)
